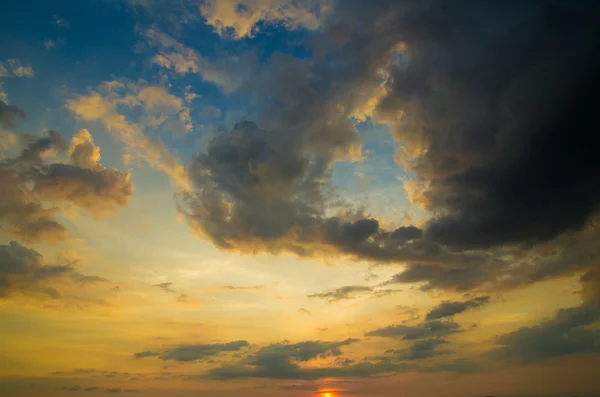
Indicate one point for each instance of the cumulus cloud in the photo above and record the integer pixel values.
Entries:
(104, 106)
(449, 309)
(478, 143)
(227, 72)
(30, 184)
(239, 19)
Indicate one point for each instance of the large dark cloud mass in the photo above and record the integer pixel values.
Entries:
(492, 104)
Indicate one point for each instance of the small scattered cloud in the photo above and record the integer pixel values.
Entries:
(165, 287)
(145, 354)
(449, 309)
(427, 329)
(15, 68)
(60, 22)
(223, 288)
(351, 292)
(197, 352)
(304, 311)
(50, 44)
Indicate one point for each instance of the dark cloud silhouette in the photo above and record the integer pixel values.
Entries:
(92, 388)
(449, 309)
(427, 329)
(347, 292)
(145, 354)
(420, 350)
(165, 287)
(353, 291)
(199, 352)
(562, 335)
(23, 270)
(281, 361)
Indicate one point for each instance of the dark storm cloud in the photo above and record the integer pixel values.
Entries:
(449, 309)
(497, 125)
(508, 123)
(562, 335)
(199, 352)
(427, 329)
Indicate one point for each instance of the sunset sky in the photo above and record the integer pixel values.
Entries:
(300, 198)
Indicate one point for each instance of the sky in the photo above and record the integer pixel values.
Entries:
(299, 198)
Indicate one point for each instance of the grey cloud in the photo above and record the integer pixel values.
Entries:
(341, 293)
(449, 309)
(70, 388)
(420, 350)
(199, 352)
(562, 335)
(352, 291)
(23, 269)
(29, 184)
(92, 388)
(428, 329)
(491, 122)
(145, 354)
(280, 361)
(113, 390)
(165, 287)
(8, 114)
(475, 104)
